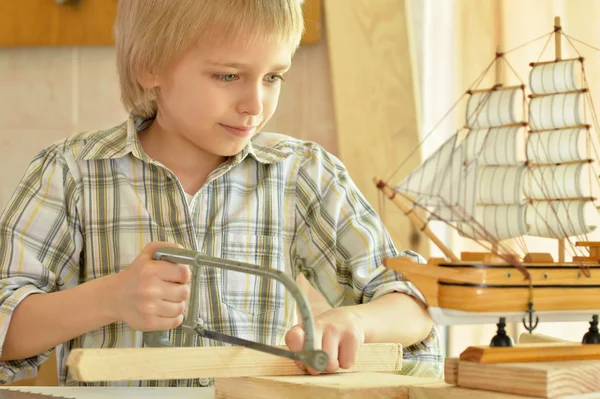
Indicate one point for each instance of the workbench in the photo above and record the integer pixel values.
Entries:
(120, 392)
(420, 392)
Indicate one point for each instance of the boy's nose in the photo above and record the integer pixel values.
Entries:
(252, 102)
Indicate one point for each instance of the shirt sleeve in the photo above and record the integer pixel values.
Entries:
(39, 241)
(340, 246)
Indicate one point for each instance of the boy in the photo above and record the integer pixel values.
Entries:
(200, 79)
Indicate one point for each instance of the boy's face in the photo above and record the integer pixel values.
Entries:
(220, 94)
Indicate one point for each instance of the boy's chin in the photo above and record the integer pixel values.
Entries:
(231, 150)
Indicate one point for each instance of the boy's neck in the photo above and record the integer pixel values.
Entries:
(189, 163)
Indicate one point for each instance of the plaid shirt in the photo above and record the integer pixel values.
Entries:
(87, 205)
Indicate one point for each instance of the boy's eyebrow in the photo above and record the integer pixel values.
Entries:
(237, 65)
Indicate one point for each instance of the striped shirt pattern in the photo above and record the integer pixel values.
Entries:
(88, 204)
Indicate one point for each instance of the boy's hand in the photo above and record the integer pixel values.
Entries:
(339, 332)
(151, 295)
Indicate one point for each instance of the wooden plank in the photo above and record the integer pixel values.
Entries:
(89, 22)
(313, 21)
(452, 392)
(533, 338)
(43, 23)
(541, 380)
(337, 386)
(125, 364)
(550, 351)
(451, 370)
(374, 98)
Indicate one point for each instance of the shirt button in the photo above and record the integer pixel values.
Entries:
(204, 382)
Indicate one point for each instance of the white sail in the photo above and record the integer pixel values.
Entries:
(559, 182)
(559, 219)
(457, 192)
(425, 181)
(556, 77)
(500, 185)
(496, 222)
(558, 146)
(495, 108)
(556, 111)
(496, 146)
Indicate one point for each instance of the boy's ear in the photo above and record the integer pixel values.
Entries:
(148, 79)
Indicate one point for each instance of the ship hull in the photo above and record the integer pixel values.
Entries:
(474, 292)
(450, 317)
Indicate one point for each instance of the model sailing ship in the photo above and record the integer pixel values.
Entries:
(509, 177)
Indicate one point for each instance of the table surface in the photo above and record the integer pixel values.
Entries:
(171, 393)
(119, 392)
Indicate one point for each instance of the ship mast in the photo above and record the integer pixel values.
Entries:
(558, 52)
(499, 79)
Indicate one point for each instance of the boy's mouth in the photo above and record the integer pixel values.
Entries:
(239, 131)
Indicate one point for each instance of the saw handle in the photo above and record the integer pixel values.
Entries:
(161, 338)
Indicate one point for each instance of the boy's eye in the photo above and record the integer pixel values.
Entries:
(274, 78)
(226, 77)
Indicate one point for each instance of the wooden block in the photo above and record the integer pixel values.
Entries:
(545, 352)
(127, 364)
(88, 22)
(332, 386)
(538, 257)
(591, 244)
(313, 21)
(451, 370)
(541, 380)
(527, 338)
(472, 256)
(452, 392)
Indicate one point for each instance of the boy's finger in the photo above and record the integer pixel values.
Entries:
(175, 292)
(173, 272)
(330, 345)
(151, 247)
(294, 339)
(348, 351)
(170, 309)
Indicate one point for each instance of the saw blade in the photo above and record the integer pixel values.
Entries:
(15, 394)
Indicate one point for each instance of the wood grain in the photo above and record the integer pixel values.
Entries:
(45, 23)
(452, 392)
(89, 22)
(181, 363)
(313, 21)
(527, 338)
(474, 299)
(451, 370)
(374, 98)
(541, 380)
(545, 352)
(338, 386)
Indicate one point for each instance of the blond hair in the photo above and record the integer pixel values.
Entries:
(151, 34)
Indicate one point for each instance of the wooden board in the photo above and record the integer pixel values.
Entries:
(540, 379)
(451, 370)
(374, 99)
(313, 21)
(535, 352)
(45, 23)
(532, 338)
(88, 22)
(452, 392)
(181, 363)
(346, 386)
